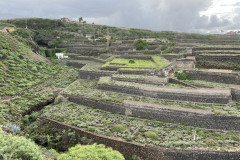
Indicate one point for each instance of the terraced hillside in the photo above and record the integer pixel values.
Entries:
(166, 101)
(126, 100)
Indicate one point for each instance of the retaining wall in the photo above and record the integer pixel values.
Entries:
(136, 57)
(170, 57)
(176, 81)
(145, 151)
(87, 51)
(209, 121)
(83, 74)
(235, 94)
(136, 52)
(75, 64)
(87, 58)
(176, 94)
(217, 52)
(231, 59)
(194, 50)
(141, 72)
(156, 81)
(228, 78)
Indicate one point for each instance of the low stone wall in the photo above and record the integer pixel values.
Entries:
(217, 52)
(235, 94)
(83, 74)
(75, 64)
(151, 47)
(223, 58)
(136, 52)
(194, 50)
(87, 51)
(176, 94)
(136, 57)
(228, 78)
(145, 151)
(155, 81)
(81, 45)
(176, 81)
(141, 72)
(89, 59)
(178, 49)
(171, 114)
(170, 57)
(123, 48)
(185, 63)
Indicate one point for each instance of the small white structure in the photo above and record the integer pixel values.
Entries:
(60, 55)
(149, 39)
(89, 36)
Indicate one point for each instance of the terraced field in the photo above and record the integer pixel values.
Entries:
(150, 109)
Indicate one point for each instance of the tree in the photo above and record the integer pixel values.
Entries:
(80, 19)
(140, 44)
(91, 152)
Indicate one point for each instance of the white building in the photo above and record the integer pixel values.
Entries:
(60, 55)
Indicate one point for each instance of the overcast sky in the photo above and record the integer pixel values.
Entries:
(204, 16)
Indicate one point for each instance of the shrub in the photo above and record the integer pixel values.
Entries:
(119, 128)
(91, 152)
(140, 44)
(182, 76)
(15, 147)
(151, 135)
(131, 61)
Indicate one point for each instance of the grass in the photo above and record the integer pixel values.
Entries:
(158, 63)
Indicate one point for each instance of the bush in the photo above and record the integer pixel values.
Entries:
(15, 147)
(131, 61)
(91, 152)
(140, 44)
(119, 128)
(182, 76)
(151, 135)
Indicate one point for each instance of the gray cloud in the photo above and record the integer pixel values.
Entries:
(148, 14)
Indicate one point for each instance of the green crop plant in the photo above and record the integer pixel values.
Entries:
(120, 128)
(151, 135)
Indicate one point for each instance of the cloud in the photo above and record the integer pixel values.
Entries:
(184, 15)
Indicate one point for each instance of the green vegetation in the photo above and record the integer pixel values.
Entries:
(182, 76)
(141, 130)
(140, 44)
(91, 152)
(87, 88)
(120, 128)
(158, 63)
(15, 147)
(152, 135)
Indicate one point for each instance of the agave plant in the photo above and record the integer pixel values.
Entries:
(13, 127)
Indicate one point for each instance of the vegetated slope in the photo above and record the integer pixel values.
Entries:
(24, 83)
(51, 33)
(17, 70)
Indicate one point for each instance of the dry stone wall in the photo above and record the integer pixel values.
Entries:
(176, 94)
(148, 152)
(222, 58)
(84, 74)
(206, 120)
(228, 78)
